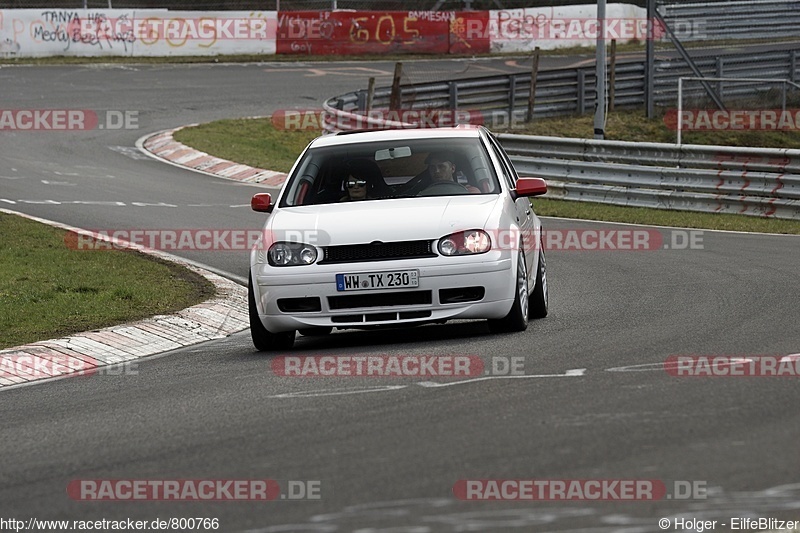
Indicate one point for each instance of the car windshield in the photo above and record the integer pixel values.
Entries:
(391, 169)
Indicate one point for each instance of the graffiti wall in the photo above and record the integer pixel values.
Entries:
(120, 32)
(378, 32)
(134, 33)
(519, 30)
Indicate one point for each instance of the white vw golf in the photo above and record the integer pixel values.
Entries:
(397, 228)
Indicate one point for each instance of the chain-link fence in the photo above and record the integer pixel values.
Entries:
(703, 32)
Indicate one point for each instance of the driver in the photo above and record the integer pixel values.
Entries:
(441, 169)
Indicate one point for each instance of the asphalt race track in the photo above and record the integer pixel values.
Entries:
(595, 402)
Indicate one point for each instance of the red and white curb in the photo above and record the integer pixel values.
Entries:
(84, 353)
(163, 147)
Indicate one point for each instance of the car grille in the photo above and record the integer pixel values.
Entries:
(385, 299)
(380, 317)
(378, 251)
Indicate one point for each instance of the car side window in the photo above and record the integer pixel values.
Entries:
(507, 169)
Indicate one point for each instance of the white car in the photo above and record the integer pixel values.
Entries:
(423, 245)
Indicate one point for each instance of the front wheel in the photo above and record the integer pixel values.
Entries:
(263, 339)
(517, 317)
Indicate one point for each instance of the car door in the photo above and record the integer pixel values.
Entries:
(525, 216)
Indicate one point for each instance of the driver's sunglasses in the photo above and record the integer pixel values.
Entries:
(356, 183)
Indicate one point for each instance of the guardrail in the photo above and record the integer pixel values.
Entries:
(752, 181)
(734, 20)
(714, 179)
(572, 90)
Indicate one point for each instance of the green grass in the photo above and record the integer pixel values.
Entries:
(254, 142)
(258, 143)
(631, 125)
(48, 290)
(662, 217)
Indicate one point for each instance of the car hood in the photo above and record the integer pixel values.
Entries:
(402, 219)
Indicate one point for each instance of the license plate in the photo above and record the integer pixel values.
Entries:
(399, 279)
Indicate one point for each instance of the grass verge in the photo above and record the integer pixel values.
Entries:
(661, 217)
(631, 125)
(48, 290)
(256, 142)
(250, 141)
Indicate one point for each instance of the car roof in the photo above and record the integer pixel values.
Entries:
(461, 132)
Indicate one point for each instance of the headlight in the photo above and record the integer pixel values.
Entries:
(469, 242)
(291, 254)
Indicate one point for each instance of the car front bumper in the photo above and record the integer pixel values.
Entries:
(470, 287)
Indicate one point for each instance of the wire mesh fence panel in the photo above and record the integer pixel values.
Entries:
(748, 106)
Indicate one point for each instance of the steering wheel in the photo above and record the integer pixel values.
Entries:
(443, 188)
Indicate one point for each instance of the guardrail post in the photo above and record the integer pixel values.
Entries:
(532, 92)
(783, 97)
(793, 66)
(452, 90)
(512, 95)
(396, 99)
(612, 75)
(361, 101)
(581, 95)
(370, 94)
(649, 62)
(720, 68)
(600, 73)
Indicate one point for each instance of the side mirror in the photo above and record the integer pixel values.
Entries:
(262, 202)
(531, 186)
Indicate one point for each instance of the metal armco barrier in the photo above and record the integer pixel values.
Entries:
(572, 90)
(735, 20)
(713, 179)
(751, 181)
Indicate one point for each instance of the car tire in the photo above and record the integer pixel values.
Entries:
(517, 317)
(540, 296)
(320, 331)
(263, 339)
